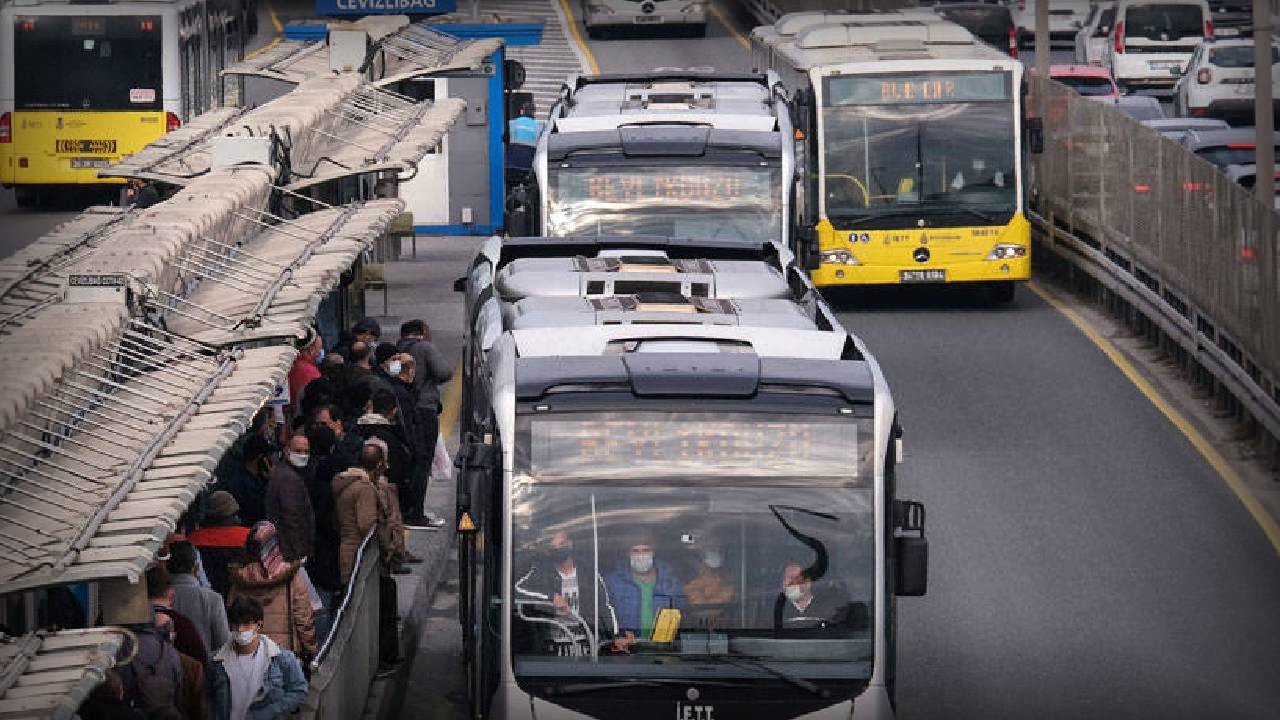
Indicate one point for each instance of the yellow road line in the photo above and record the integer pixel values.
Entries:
(275, 19)
(742, 39)
(263, 49)
(1197, 440)
(452, 402)
(572, 22)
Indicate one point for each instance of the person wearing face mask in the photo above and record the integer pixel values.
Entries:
(640, 589)
(247, 479)
(708, 592)
(252, 677)
(557, 585)
(288, 502)
(804, 604)
(305, 368)
(281, 587)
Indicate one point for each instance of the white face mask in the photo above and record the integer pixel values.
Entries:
(713, 559)
(298, 460)
(244, 637)
(394, 367)
(642, 562)
(793, 592)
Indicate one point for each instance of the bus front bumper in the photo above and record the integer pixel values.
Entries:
(835, 275)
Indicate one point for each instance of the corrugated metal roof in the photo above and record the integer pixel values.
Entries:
(407, 51)
(49, 675)
(271, 285)
(98, 469)
(379, 131)
(32, 277)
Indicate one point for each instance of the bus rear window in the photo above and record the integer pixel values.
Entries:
(91, 62)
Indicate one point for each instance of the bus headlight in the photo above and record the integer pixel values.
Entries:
(839, 256)
(1007, 251)
(692, 8)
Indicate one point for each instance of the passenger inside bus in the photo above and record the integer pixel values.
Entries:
(553, 590)
(808, 604)
(641, 588)
(710, 592)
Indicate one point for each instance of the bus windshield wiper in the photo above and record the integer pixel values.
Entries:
(755, 663)
(575, 688)
(851, 220)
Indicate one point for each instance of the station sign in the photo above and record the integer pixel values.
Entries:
(385, 7)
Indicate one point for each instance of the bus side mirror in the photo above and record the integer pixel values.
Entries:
(1035, 135)
(807, 247)
(912, 549)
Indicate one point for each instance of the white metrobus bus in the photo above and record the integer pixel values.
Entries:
(670, 153)
(698, 398)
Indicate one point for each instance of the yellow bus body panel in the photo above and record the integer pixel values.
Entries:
(960, 251)
(52, 142)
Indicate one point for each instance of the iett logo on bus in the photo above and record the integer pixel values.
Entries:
(693, 712)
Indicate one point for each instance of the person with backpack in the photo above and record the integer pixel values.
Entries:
(252, 677)
(154, 677)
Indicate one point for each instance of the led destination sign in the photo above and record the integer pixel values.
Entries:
(692, 445)
(917, 88)
(704, 186)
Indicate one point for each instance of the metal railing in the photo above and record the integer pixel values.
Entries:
(343, 668)
(1171, 234)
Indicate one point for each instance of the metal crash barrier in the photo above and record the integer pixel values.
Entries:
(1171, 236)
(343, 669)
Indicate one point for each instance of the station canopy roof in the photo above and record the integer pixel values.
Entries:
(49, 675)
(406, 51)
(270, 286)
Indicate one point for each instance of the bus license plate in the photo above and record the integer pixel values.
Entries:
(922, 276)
(89, 162)
(648, 18)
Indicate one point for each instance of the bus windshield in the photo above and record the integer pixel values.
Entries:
(90, 62)
(922, 143)
(664, 573)
(699, 201)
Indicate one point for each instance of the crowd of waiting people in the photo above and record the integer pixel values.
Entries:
(243, 596)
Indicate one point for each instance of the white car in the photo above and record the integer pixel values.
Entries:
(1091, 41)
(1247, 177)
(1219, 81)
(1066, 17)
(1152, 41)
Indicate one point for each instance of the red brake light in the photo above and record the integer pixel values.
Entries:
(1241, 146)
(1120, 37)
(1204, 76)
(147, 25)
(171, 122)
(27, 25)
(6, 128)
(1208, 28)
(1013, 42)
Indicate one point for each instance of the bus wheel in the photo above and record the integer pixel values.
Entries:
(1000, 293)
(26, 197)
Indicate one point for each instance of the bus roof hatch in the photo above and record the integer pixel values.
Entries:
(667, 141)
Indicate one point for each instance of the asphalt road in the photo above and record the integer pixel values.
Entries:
(1087, 562)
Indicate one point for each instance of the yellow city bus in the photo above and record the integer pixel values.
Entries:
(911, 134)
(83, 85)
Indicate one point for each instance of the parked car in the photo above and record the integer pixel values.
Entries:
(1091, 40)
(992, 24)
(1088, 80)
(1138, 107)
(1225, 147)
(1246, 176)
(1220, 81)
(1066, 17)
(1152, 41)
(1177, 128)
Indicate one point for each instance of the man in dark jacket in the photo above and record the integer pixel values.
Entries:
(247, 481)
(288, 502)
(381, 421)
(431, 370)
(322, 567)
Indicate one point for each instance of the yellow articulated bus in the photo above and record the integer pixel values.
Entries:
(85, 84)
(911, 134)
